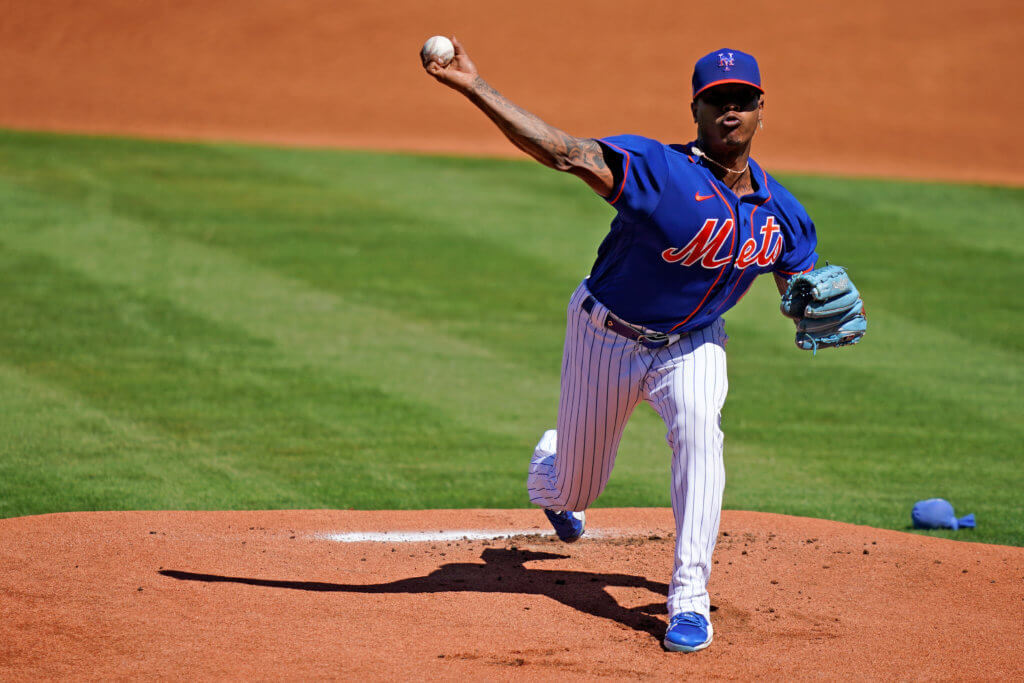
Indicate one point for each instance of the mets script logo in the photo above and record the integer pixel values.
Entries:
(724, 62)
(708, 242)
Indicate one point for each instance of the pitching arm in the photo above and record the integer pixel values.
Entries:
(582, 157)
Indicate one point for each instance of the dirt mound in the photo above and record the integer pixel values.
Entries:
(873, 87)
(301, 595)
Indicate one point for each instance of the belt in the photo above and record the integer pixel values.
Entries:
(652, 340)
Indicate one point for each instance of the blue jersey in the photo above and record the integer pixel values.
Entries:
(683, 249)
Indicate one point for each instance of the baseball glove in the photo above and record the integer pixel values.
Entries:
(827, 309)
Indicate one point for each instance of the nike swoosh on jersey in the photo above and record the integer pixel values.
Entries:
(699, 197)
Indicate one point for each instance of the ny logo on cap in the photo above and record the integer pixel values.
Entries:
(725, 62)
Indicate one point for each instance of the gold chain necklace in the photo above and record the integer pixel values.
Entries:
(697, 152)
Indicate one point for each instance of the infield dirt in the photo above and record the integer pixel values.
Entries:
(243, 595)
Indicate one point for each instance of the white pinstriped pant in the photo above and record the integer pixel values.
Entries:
(604, 377)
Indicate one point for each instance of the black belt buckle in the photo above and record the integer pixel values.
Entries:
(650, 340)
(653, 341)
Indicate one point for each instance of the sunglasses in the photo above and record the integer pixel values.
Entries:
(745, 99)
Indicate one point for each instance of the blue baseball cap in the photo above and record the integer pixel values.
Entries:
(725, 66)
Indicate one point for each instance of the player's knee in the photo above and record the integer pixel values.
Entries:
(697, 430)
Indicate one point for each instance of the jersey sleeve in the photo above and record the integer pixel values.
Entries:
(641, 173)
(800, 241)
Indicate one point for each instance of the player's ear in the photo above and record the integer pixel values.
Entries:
(693, 110)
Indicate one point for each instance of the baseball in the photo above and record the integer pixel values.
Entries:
(439, 49)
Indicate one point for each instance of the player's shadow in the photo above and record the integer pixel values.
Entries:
(503, 571)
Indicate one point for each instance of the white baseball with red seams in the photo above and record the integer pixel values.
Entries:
(439, 49)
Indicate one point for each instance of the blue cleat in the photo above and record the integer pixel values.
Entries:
(568, 525)
(688, 632)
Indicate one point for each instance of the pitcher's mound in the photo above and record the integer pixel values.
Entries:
(490, 594)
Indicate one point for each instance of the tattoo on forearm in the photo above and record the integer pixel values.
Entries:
(543, 142)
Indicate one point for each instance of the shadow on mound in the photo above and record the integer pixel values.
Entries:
(502, 572)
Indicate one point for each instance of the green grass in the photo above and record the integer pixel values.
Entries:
(212, 326)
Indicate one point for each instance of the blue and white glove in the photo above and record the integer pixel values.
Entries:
(827, 307)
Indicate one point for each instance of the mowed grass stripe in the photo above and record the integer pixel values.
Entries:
(62, 453)
(948, 257)
(928, 366)
(373, 242)
(365, 338)
(435, 289)
(854, 435)
(291, 435)
(406, 356)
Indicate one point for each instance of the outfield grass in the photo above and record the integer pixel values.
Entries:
(207, 326)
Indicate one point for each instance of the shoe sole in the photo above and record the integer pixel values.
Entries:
(676, 647)
(571, 539)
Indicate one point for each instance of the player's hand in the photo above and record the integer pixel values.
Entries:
(460, 72)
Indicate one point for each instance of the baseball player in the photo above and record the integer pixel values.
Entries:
(696, 223)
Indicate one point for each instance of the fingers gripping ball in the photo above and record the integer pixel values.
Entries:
(827, 307)
(438, 49)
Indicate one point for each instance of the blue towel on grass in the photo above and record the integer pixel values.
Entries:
(936, 513)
